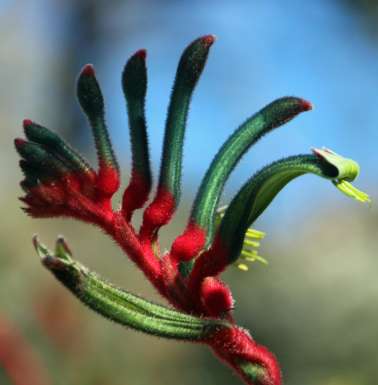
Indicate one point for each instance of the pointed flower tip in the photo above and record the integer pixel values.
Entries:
(35, 241)
(88, 70)
(142, 53)
(306, 105)
(62, 248)
(19, 142)
(40, 248)
(26, 123)
(208, 39)
(50, 261)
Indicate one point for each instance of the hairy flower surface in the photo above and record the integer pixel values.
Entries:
(59, 182)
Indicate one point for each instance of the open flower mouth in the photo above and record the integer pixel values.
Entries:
(58, 181)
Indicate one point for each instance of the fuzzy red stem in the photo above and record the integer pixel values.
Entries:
(209, 264)
(188, 245)
(157, 214)
(108, 182)
(124, 234)
(72, 203)
(135, 195)
(184, 248)
(235, 345)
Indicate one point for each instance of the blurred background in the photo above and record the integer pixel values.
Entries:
(315, 304)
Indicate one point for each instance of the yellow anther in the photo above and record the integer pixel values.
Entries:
(261, 259)
(249, 259)
(251, 243)
(252, 233)
(242, 266)
(248, 254)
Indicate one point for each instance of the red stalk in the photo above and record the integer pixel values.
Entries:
(135, 195)
(157, 214)
(188, 245)
(235, 345)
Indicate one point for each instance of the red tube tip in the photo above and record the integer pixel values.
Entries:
(208, 39)
(18, 142)
(142, 53)
(307, 106)
(27, 122)
(88, 70)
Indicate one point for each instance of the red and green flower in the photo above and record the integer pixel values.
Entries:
(58, 182)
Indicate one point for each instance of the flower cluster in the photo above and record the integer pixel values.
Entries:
(58, 182)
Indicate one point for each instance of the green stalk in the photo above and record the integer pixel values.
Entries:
(120, 306)
(189, 70)
(272, 116)
(134, 82)
(92, 103)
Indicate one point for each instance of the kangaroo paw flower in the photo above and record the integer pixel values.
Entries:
(58, 181)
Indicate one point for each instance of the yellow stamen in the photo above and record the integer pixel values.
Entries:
(253, 257)
(248, 254)
(261, 259)
(242, 266)
(251, 242)
(252, 233)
